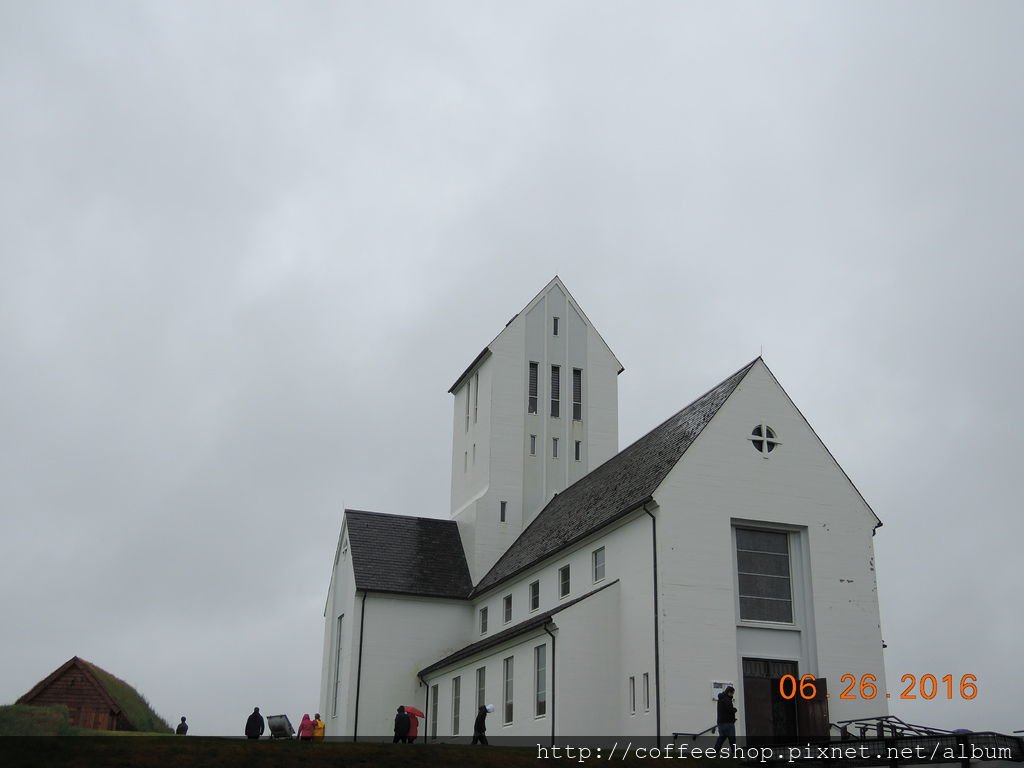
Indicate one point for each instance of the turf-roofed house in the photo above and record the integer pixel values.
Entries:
(95, 699)
(586, 590)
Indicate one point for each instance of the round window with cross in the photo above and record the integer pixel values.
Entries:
(764, 439)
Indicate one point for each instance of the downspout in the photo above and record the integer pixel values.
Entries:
(359, 668)
(657, 637)
(548, 630)
(426, 708)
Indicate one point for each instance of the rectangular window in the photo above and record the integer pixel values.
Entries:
(508, 690)
(469, 386)
(481, 686)
(579, 449)
(540, 696)
(337, 666)
(433, 712)
(476, 395)
(483, 621)
(563, 581)
(577, 394)
(531, 404)
(556, 389)
(456, 701)
(554, 447)
(507, 602)
(762, 562)
(554, 326)
(465, 461)
(474, 454)
(533, 445)
(632, 695)
(597, 557)
(501, 514)
(535, 596)
(647, 693)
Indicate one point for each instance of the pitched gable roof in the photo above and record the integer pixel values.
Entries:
(407, 555)
(622, 484)
(486, 351)
(122, 698)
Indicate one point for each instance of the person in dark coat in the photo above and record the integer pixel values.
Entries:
(726, 718)
(254, 726)
(182, 728)
(401, 726)
(480, 726)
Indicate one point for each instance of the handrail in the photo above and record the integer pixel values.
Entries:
(677, 734)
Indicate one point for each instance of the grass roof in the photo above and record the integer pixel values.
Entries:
(133, 704)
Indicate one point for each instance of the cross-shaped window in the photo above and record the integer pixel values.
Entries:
(764, 440)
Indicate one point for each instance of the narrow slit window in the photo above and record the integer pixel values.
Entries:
(647, 693)
(469, 386)
(481, 686)
(556, 389)
(531, 404)
(579, 450)
(476, 395)
(501, 513)
(577, 394)
(554, 447)
(632, 695)
(483, 621)
(540, 695)
(554, 326)
(456, 703)
(533, 445)
(508, 690)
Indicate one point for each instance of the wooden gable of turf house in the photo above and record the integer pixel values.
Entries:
(95, 699)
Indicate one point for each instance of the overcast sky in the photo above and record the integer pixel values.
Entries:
(247, 247)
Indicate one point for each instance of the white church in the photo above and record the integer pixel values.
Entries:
(586, 590)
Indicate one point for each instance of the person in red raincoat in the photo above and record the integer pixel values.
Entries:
(306, 728)
(414, 723)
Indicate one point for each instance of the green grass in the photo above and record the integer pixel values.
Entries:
(24, 720)
(201, 752)
(133, 704)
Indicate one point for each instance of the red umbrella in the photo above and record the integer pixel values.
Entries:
(414, 711)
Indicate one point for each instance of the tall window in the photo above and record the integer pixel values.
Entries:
(540, 665)
(508, 608)
(632, 695)
(531, 404)
(597, 558)
(481, 686)
(647, 692)
(433, 712)
(534, 595)
(337, 666)
(556, 389)
(476, 395)
(508, 690)
(563, 581)
(502, 511)
(577, 394)
(554, 326)
(469, 386)
(483, 621)
(765, 589)
(456, 702)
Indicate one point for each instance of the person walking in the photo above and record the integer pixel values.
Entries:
(319, 728)
(401, 726)
(305, 728)
(726, 718)
(182, 728)
(254, 726)
(480, 726)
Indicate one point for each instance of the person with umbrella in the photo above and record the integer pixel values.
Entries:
(401, 726)
(414, 722)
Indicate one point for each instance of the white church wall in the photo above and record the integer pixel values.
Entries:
(723, 482)
(401, 635)
(336, 690)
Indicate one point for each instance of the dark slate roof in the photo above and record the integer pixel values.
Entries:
(407, 555)
(622, 484)
(521, 628)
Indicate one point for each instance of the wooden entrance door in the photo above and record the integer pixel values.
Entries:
(770, 719)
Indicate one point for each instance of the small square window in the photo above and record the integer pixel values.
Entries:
(534, 596)
(563, 581)
(508, 608)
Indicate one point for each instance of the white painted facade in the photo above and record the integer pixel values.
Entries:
(608, 670)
